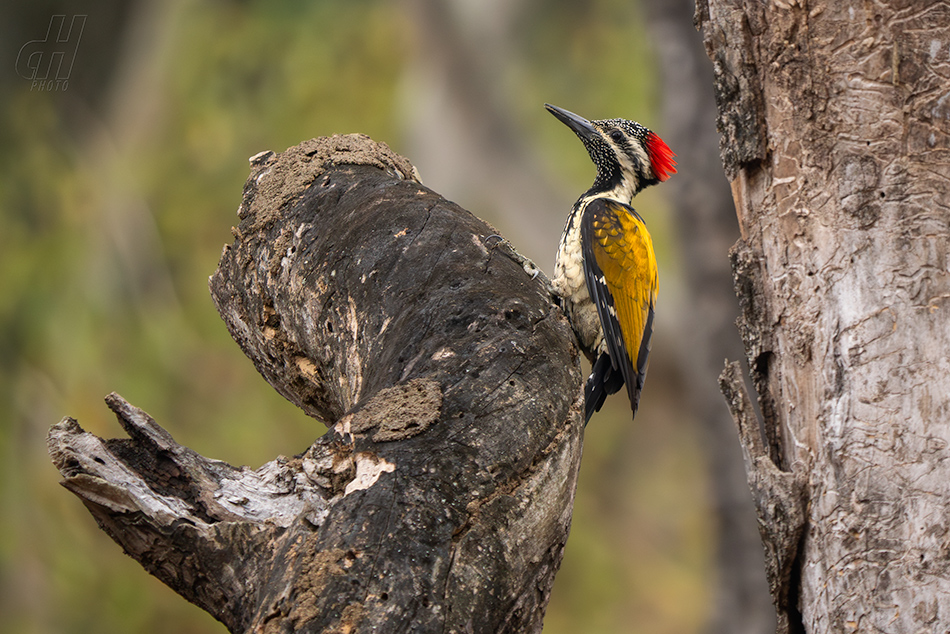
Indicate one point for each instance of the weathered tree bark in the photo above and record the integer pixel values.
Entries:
(836, 129)
(706, 227)
(440, 499)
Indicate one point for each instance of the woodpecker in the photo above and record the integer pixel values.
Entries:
(605, 272)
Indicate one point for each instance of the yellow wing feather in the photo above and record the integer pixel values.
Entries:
(620, 266)
(624, 252)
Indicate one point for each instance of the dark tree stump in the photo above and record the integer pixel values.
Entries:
(440, 499)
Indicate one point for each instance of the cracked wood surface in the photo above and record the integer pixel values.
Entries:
(836, 136)
(440, 499)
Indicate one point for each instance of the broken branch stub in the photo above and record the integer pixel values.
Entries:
(442, 494)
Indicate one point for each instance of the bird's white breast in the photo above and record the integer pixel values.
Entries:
(570, 283)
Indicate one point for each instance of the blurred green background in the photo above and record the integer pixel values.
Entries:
(117, 195)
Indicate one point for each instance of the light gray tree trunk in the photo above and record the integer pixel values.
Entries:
(836, 129)
(459, 88)
(706, 227)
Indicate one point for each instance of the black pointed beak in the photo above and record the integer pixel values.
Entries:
(581, 126)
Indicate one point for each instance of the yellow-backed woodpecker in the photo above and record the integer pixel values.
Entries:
(605, 272)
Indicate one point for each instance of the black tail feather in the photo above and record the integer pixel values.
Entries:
(603, 381)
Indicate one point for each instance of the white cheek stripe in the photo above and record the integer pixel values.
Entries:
(629, 181)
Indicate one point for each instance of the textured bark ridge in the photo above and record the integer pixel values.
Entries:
(440, 499)
(835, 119)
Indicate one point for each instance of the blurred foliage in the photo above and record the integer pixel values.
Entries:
(115, 199)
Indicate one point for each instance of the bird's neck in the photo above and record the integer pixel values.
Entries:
(614, 188)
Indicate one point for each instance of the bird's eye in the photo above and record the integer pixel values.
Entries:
(616, 135)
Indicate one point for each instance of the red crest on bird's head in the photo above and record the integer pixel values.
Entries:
(661, 157)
